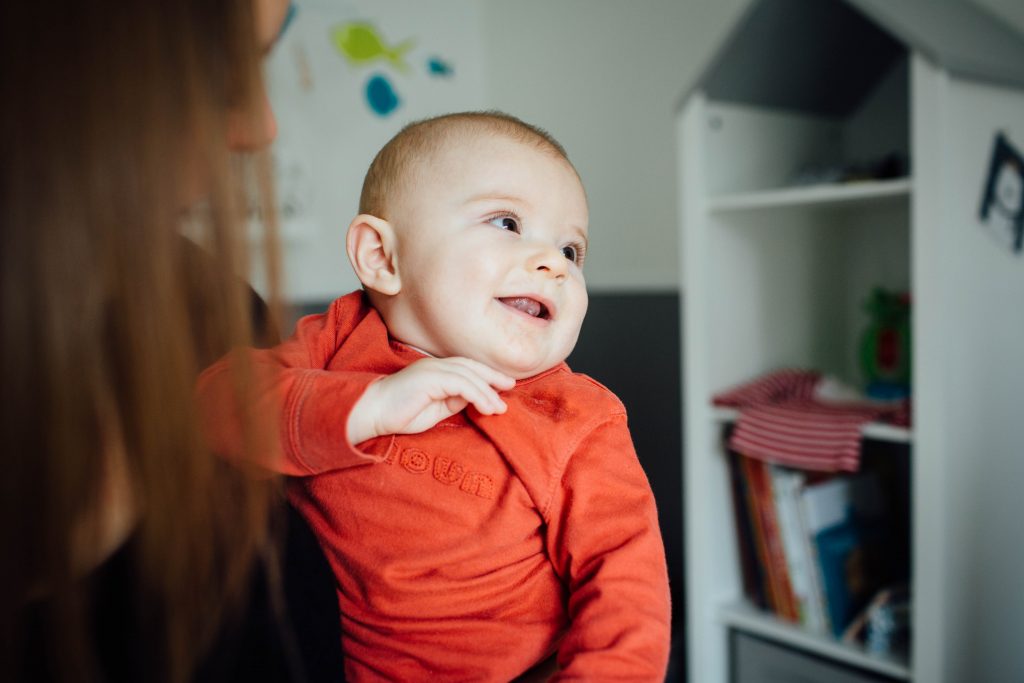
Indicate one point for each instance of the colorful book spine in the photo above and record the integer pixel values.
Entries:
(768, 580)
(775, 556)
(786, 487)
(819, 604)
(750, 566)
(828, 510)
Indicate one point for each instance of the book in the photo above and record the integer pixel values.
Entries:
(787, 485)
(773, 553)
(842, 516)
(751, 570)
(768, 581)
(818, 603)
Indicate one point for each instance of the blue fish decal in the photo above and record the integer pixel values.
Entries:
(438, 67)
(381, 96)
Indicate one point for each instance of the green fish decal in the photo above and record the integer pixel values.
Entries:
(360, 43)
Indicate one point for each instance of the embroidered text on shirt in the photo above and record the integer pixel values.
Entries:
(444, 470)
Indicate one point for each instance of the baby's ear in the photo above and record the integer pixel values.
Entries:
(371, 250)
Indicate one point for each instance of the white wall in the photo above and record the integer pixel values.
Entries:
(604, 77)
(967, 379)
(1010, 11)
(329, 133)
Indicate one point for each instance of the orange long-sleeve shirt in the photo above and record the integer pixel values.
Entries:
(480, 547)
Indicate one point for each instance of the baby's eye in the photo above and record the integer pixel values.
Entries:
(575, 252)
(505, 222)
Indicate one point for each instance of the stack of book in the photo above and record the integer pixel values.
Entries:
(814, 547)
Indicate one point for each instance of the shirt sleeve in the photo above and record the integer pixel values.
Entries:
(307, 406)
(604, 539)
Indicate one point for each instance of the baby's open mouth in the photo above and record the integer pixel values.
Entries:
(529, 306)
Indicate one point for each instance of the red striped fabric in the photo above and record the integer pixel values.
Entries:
(782, 422)
(775, 387)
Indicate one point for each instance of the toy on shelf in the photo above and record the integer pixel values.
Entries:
(885, 346)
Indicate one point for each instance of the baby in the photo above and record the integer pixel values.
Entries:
(481, 505)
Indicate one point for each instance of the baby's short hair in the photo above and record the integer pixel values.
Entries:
(421, 138)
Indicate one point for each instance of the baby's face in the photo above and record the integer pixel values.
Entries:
(491, 237)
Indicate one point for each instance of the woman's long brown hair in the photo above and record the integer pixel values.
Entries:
(113, 121)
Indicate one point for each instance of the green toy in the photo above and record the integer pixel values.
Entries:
(885, 345)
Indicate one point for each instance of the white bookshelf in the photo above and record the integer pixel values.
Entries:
(830, 194)
(776, 276)
(748, 619)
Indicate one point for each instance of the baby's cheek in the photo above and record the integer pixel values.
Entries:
(580, 302)
(488, 270)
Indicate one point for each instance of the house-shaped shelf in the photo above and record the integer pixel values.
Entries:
(831, 146)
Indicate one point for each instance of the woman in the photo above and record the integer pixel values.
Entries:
(129, 552)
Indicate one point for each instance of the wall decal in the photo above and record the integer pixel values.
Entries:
(1002, 202)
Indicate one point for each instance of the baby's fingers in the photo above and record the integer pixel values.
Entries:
(465, 383)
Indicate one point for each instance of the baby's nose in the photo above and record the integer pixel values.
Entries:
(549, 261)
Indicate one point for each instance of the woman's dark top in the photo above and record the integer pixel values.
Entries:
(301, 645)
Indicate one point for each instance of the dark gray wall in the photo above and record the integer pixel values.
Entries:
(630, 342)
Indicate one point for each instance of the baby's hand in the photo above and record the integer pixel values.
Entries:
(418, 397)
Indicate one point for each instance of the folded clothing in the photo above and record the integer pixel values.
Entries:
(802, 419)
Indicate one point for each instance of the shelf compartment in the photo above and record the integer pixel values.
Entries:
(824, 195)
(879, 431)
(744, 617)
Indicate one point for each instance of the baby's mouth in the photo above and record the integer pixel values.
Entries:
(530, 307)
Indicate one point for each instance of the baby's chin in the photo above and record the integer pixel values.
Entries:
(511, 368)
(523, 371)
